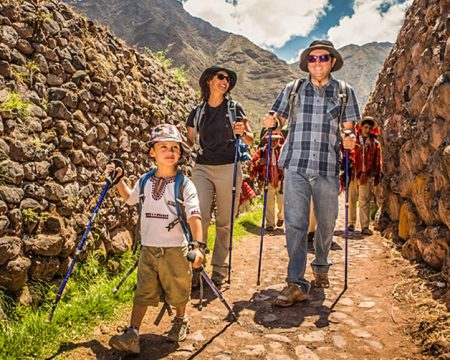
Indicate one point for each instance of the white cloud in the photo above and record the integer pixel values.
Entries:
(267, 23)
(369, 23)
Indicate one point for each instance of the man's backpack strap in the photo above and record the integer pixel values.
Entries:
(343, 97)
(293, 95)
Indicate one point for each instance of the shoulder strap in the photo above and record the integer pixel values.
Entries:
(199, 115)
(231, 113)
(142, 181)
(343, 97)
(293, 95)
(179, 205)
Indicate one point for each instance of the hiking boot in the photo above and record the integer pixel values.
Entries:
(179, 330)
(366, 231)
(280, 223)
(269, 228)
(321, 280)
(351, 228)
(290, 295)
(128, 341)
(217, 279)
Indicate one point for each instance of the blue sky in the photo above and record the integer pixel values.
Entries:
(288, 26)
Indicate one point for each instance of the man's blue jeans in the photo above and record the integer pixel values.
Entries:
(297, 198)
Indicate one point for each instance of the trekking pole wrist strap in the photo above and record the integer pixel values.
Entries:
(198, 245)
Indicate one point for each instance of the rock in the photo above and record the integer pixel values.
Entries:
(254, 350)
(366, 304)
(13, 172)
(339, 341)
(411, 251)
(9, 248)
(408, 220)
(279, 338)
(45, 245)
(13, 275)
(196, 336)
(8, 36)
(302, 352)
(54, 191)
(314, 336)
(58, 110)
(44, 268)
(11, 194)
(360, 333)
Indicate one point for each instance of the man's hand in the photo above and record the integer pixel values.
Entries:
(349, 141)
(198, 259)
(269, 121)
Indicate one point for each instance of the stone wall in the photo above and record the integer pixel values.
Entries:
(412, 100)
(72, 97)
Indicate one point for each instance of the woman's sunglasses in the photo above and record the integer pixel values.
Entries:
(321, 58)
(222, 76)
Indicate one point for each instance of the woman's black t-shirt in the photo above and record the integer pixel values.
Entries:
(216, 134)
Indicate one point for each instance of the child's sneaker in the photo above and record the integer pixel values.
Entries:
(128, 341)
(179, 330)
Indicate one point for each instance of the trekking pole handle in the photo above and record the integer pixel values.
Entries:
(111, 178)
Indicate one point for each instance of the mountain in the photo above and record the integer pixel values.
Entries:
(361, 67)
(196, 44)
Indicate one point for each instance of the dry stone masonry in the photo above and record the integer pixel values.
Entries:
(72, 96)
(412, 100)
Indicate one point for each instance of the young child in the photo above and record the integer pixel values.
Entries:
(163, 267)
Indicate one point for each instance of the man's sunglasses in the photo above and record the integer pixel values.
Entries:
(222, 76)
(321, 58)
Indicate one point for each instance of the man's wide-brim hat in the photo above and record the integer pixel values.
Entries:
(209, 72)
(368, 119)
(167, 132)
(321, 45)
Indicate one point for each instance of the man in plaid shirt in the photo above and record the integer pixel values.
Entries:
(311, 157)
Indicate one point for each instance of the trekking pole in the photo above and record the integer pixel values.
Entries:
(109, 183)
(266, 188)
(233, 195)
(191, 255)
(347, 179)
(127, 275)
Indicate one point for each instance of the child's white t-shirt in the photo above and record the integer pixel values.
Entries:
(158, 211)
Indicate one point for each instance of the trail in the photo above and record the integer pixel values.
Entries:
(366, 323)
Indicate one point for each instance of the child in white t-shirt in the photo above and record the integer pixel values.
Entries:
(163, 267)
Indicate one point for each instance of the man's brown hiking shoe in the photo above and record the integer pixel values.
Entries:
(128, 341)
(321, 280)
(366, 231)
(290, 295)
(179, 330)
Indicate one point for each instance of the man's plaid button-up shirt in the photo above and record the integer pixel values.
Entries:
(312, 145)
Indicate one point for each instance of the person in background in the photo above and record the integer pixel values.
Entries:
(365, 175)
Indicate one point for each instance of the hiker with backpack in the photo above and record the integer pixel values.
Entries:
(318, 109)
(275, 212)
(366, 173)
(163, 270)
(215, 126)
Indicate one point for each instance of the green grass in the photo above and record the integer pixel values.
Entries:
(87, 301)
(15, 105)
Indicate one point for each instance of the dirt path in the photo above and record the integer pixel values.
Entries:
(366, 323)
